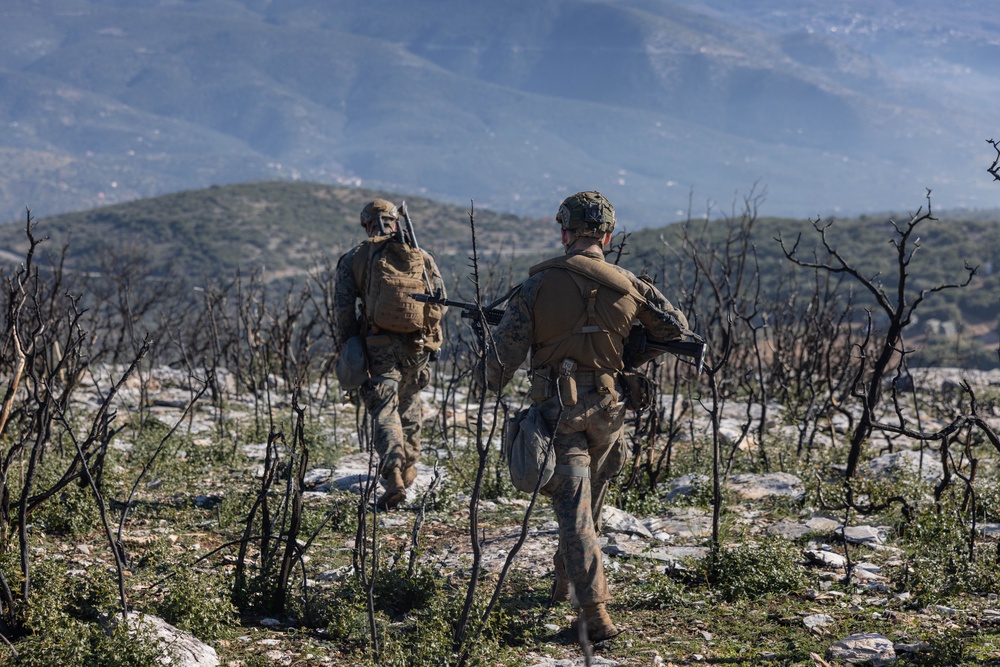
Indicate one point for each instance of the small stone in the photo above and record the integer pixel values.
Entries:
(912, 647)
(869, 648)
(817, 621)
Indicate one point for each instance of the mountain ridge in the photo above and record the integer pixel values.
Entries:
(514, 105)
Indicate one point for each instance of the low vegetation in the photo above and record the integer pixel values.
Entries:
(166, 455)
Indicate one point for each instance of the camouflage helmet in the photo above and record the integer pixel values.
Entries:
(376, 210)
(586, 214)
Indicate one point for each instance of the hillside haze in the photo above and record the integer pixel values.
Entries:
(665, 107)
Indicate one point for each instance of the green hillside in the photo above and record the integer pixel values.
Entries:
(281, 228)
(945, 246)
(283, 231)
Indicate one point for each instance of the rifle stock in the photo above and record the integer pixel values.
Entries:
(637, 343)
(683, 348)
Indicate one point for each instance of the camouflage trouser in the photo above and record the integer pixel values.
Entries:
(399, 370)
(589, 436)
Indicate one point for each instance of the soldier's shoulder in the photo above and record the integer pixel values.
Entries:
(546, 265)
(351, 252)
(623, 271)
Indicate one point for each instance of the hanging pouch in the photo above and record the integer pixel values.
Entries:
(528, 447)
(351, 367)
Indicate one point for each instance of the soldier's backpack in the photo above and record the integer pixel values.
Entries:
(390, 272)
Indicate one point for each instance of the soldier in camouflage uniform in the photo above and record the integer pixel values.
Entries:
(397, 363)
(573, 315)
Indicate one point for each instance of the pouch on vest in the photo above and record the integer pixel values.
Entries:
(528, 447)
(352, 366)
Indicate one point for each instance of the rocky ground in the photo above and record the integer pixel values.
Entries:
(845, 556)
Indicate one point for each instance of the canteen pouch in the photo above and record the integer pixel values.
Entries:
(567, 383)
(541, 384)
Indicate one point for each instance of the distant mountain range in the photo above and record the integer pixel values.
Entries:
(667, 107)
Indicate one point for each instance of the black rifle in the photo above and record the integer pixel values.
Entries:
(469, 310)
(636, 343)
(407, 235)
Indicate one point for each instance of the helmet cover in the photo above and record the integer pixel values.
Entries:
(378, 209)
(587, 214)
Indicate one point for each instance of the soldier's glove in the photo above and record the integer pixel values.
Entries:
(477, 328)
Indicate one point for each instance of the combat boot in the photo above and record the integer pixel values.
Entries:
(395, 490)
(560, 591)
(560, 587)
(409, 474)
(599, 624)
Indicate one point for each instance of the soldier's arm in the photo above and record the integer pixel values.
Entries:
(512, 337)
(437, 282)
(662, 320)
(345, 300)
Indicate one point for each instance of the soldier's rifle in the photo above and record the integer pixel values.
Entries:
(409, 236)
(470, 311)
(637, 342)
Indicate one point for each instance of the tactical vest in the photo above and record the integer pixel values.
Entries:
(583, 311)
(387, 272)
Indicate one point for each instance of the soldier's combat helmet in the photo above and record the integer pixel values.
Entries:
(587, 214)
(379, 210)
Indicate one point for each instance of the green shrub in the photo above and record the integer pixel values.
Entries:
(197, 602)
(339, 511)
(636, 499)
(396, 593)
(73, 643)
(64, 618)
(947, 649)
(345, 614)
(655, 591)
(73, 512)
(754, 570)
(938, 562)
(428, 641)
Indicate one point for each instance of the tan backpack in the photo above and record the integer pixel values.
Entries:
(387, 274)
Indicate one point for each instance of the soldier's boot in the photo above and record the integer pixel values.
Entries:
(560, 590)
(599, 624)
(395, 490)
(409, 474)
(560, 587)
